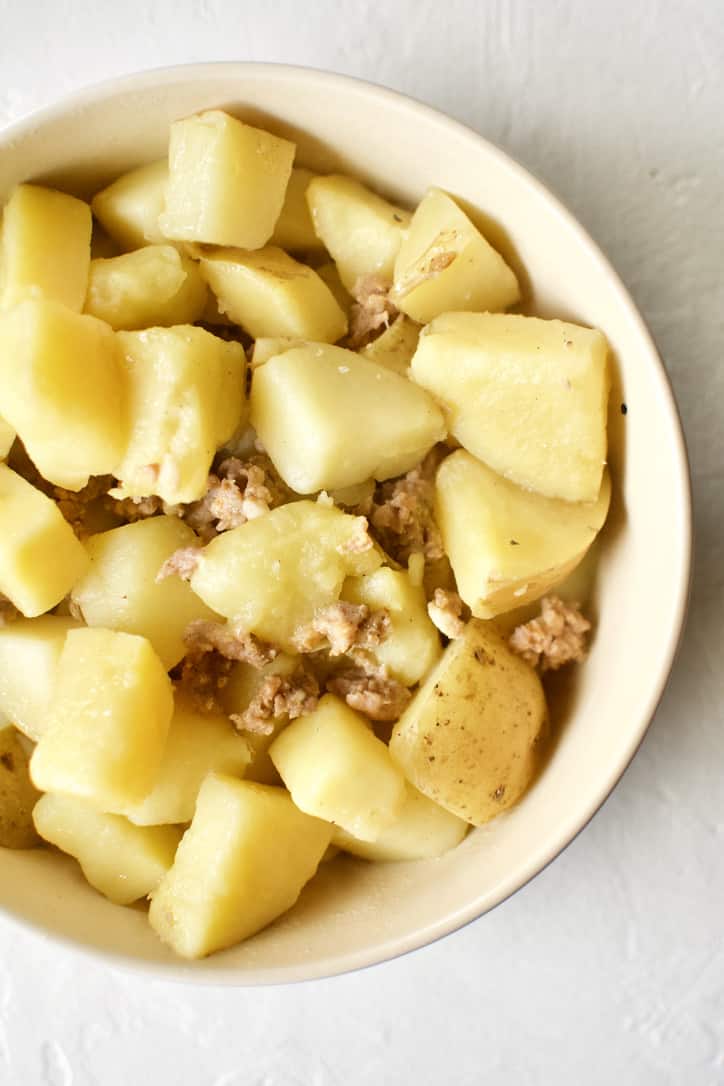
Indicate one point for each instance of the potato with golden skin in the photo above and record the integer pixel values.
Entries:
(17, 794)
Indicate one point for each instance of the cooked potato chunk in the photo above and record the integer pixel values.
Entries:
(128, 210)
(445, 263)
(336, 768)
(360, 230)
(421, 831)
(226, 182)
(306, 406)
(524, 543)
(17, 794)
(236, 696)
(61, 389)
(44, 247)
(119, 591)
(328, 272)
(267, 347)
(412, 644)
(269, 293)
(186, 397)
(30, 650)
(109, 722)
(272, 573)
(468, 738)
(123, 862)
(527, 396)
(294, 229)
(155, 285)
(40, 557)
(7, 436)
(243, 862)
(395, 347)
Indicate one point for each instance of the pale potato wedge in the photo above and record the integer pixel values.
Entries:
(30, 651)
(155, 285)
(294, 229)
(128, 209)
(421, 831)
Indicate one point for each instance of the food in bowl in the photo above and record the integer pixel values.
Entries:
(275, 526)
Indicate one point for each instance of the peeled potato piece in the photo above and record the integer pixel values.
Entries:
(421, 831)
(129, 209)
(155, 285)
(294, 229)
(30, 651)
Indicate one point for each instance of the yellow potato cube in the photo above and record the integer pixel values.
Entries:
(128, 210)
(109, 722)
(155, 285)
(44, 247)
(306, 406)
(412, 644)
(121, 861)
(267, 347)
(509, 546)
(61, 389)
(40, 557)
(336, 768)
(30, 650)
(527, 396)
(119, 591)
(294, 229)
(360, 230)
(421, 831)
(445, 263)
(186, 398)
(272, 573)
(242, 863)
(269, 293)
(227, 181)
(395, 347)
(243, 685)
(7, 436)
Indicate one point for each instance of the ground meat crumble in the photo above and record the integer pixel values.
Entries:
(371, 311)
(402, 515)
(556, 638)
(182, 563)
(371, 692)
(238, 491)
(340, 626)
(446, 612)
(359, 540)
(229, 640)
(202, 676)
(278, 697)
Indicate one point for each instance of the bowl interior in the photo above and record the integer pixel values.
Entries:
(355, 914)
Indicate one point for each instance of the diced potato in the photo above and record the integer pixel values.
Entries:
(336, 768)
(242, 686)
(306, 406)
(509, 546)
(186, 397)
(395, 347)
(61, 389)
(120, 592)
(272, 573)
(123, 862)
(17, 794)
(362, 231)
(269, 293)
(40, 557)
(412, 644)
(421, 831)
(242, 863)
(527, 396)
(7, 436)
(30, 650)
(198, 744)
(155, 285)
(328, 272)
(445, 263)
(267, 347)
(294, 229)
(226, 183)
(129, 208)
(109, 721)
(468, 738)
(44, 247)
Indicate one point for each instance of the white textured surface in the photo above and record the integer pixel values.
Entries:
(609, 967)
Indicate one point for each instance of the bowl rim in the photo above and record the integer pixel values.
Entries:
(339, 964)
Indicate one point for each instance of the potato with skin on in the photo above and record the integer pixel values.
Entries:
(271, 574)
(121, 861)
(17, 794)
(152, 286)
(7, 437)
(40, 557)
(269, 293)
(445, 263)
(242, 863)
(468, 739)
(30, 651)
(109, 721)
(336, 768)
(421, 831)
(62, 390)
(306, 406)
(294, 229)
(395, 347)
(362, 231)
(508, 546)
(236, 696)
(44, 247)
(119, 590)
(227, 181)
(128, 209)
(186, 394)
(527, 396)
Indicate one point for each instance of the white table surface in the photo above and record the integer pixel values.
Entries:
(609, 967)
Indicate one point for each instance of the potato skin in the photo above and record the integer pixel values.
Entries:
(468, 739)
(17, 794)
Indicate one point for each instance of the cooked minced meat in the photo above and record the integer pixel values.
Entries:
(446, 610)
(556, 638)
(278, 697)
(230, 640)
(182, 563)
(371, 311)
(374, 694)
(402, 514)
(339, 626)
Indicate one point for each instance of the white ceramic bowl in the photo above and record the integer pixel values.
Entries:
(354, 914)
